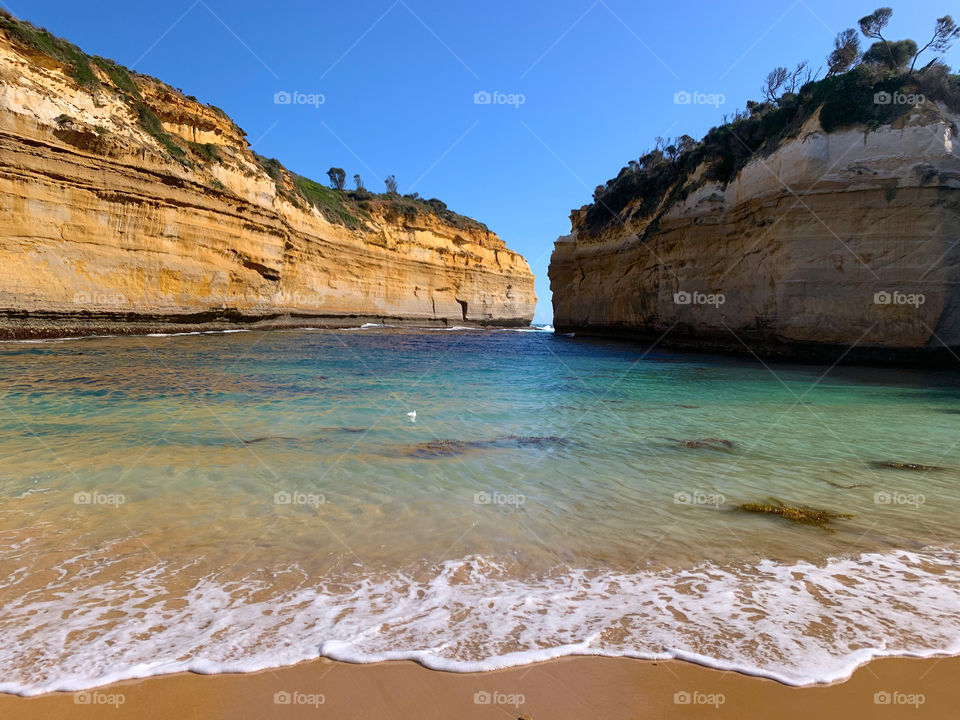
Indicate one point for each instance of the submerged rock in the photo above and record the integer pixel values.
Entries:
(440, 448)
(801, 515)
(894, 465)
(314, 438)
(531, 440)
(436, 448)
(841, 486)
(702, 443)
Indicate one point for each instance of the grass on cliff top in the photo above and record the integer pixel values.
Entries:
(352, 208)
(658, 179)
(412, 205)
(41, 40)
(333, 205)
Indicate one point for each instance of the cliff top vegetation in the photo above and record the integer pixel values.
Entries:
(860, 88)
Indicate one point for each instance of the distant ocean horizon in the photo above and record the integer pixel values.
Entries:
(467, 498)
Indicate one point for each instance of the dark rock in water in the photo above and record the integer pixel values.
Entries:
(286, 438)
(531, 440)
(800, 515)
(436, 448)
(894, 465)
(440, 448)
(688, 407)
(265, 438)
(831, 483)
(702, 443)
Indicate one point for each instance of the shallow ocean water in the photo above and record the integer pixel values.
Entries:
(237, 501)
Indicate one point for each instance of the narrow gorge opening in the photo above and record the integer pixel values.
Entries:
(463, 308)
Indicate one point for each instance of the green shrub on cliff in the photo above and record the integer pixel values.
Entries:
(151, 123)
(207, 152)
(353, 207)
(119, 76)
(857, 92)
(332, 204)
(273, 167)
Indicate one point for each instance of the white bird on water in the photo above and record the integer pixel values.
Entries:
(412, 415)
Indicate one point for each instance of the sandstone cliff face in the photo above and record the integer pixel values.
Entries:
(101, 229)
(847, 241)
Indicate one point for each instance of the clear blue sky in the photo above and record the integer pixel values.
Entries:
(399, 78)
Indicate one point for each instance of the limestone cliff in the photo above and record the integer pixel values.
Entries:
(128, 206)
(834, 244)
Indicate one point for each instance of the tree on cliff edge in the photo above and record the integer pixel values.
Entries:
(872, 26)
(338, 178)
(846, 52)
(945, 33)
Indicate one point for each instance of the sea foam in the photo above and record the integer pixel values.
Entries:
(798, 623)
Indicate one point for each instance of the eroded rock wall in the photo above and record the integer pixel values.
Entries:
(835, 242)
(101, 229)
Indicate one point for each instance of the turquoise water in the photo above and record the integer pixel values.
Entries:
(237, 501)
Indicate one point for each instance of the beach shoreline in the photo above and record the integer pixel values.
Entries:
(569, 687)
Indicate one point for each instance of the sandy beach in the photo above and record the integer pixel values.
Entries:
(575, 687)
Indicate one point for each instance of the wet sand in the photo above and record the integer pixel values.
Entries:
(573, 687)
